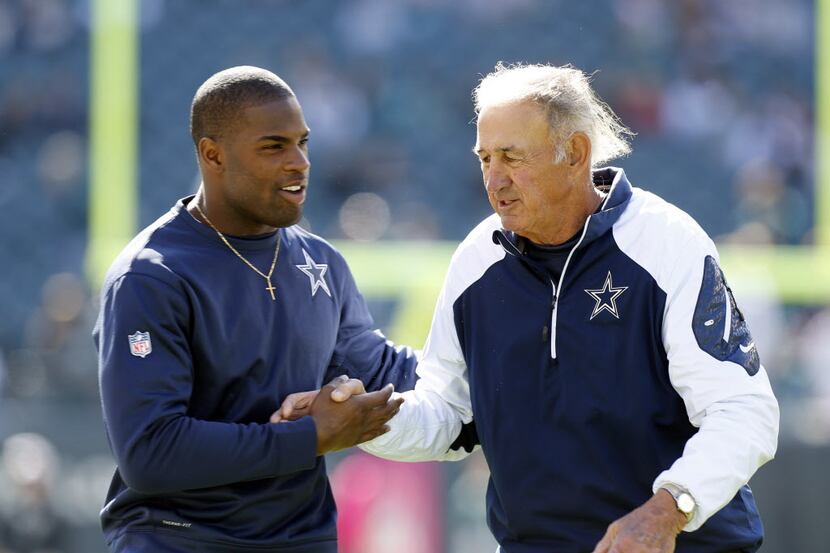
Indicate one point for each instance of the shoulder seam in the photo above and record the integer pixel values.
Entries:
(138, 273)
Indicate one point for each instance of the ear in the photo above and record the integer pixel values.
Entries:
(211, 155)
(578, 150)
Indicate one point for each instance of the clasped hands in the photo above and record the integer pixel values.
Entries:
(344, 413)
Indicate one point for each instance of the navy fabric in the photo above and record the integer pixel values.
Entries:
(187, 412)
(575, 442)
(551, 258)
(168, 542)
(714, 303)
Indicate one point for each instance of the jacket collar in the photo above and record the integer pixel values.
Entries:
(613, 180)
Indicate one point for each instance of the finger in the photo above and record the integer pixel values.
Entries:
(342, 379)
(372, 434)
(295, 405)
(391, 407)
(376, 399)
(381, 415)
(286, 414)
(291, 412)
(345, 390)
(604, 544)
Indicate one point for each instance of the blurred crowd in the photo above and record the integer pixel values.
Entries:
(720, 95)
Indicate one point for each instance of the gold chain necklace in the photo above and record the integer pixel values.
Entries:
(267, 277)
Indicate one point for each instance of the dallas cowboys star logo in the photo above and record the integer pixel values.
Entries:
(606, 297)
(316, 273)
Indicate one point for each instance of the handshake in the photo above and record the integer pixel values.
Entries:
(344, 414)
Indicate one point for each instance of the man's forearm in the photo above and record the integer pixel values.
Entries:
(423, 430)
(182, 453)
(734, 440)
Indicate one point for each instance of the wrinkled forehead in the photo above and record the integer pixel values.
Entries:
(511, 125)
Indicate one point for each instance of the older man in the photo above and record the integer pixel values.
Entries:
(586, 338)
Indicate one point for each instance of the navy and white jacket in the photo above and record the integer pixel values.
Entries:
(635, 369)
(195, 356)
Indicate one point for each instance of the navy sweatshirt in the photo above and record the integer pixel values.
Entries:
(194, 356)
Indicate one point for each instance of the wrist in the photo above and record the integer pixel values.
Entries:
(667, 504)
(320, 438)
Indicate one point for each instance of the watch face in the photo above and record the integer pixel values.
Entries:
(685, 503)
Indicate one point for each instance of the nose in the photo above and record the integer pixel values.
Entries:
(298, 161)
(495, 178)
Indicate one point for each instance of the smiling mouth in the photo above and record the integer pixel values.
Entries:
(294, 193)
(295, 186)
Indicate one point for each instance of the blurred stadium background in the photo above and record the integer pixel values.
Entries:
(94, 99)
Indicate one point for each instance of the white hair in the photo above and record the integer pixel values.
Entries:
(566, 96)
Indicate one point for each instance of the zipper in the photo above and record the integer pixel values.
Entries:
(556, 287)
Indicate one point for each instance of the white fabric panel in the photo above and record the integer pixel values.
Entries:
(431, 416)
(737, 414)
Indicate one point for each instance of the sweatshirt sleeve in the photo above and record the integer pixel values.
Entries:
(715, 367)
(146, 375)
(363, 352)
(431, 418)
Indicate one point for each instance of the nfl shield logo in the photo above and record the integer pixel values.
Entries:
(140, 344)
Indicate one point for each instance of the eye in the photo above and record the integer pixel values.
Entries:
(484, 160)
(274, 146)
(304, 142)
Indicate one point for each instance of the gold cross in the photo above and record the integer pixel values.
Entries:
(271, 289)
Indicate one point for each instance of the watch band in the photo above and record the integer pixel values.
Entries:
(686, 504)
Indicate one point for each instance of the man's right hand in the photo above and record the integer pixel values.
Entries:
(297, 405)
(359, 419)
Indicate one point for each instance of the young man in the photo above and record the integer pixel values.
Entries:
(209, 318)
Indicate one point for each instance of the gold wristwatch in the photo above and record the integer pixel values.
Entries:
(684, 500)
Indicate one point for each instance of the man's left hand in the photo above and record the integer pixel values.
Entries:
(651, 528)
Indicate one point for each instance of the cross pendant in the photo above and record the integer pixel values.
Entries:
(271, 289)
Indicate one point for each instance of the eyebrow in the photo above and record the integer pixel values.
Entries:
(279, 138)
(479, 151)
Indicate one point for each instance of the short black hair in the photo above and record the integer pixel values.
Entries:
(219, 100)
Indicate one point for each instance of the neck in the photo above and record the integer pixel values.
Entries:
(573, 216)
(221, 219)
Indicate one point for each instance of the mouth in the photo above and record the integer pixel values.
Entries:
(504, 204)
(294, 193)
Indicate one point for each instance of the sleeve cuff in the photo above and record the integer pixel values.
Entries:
(296, 445)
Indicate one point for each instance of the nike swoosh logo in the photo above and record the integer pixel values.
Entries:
(747, 348)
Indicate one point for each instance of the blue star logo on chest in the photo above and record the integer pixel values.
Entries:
(316, 273)
(606, 297)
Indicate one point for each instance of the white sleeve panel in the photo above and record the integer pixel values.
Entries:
(737, 414)
(431, 417)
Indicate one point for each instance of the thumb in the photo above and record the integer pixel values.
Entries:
(347, 389)
(605, 543)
